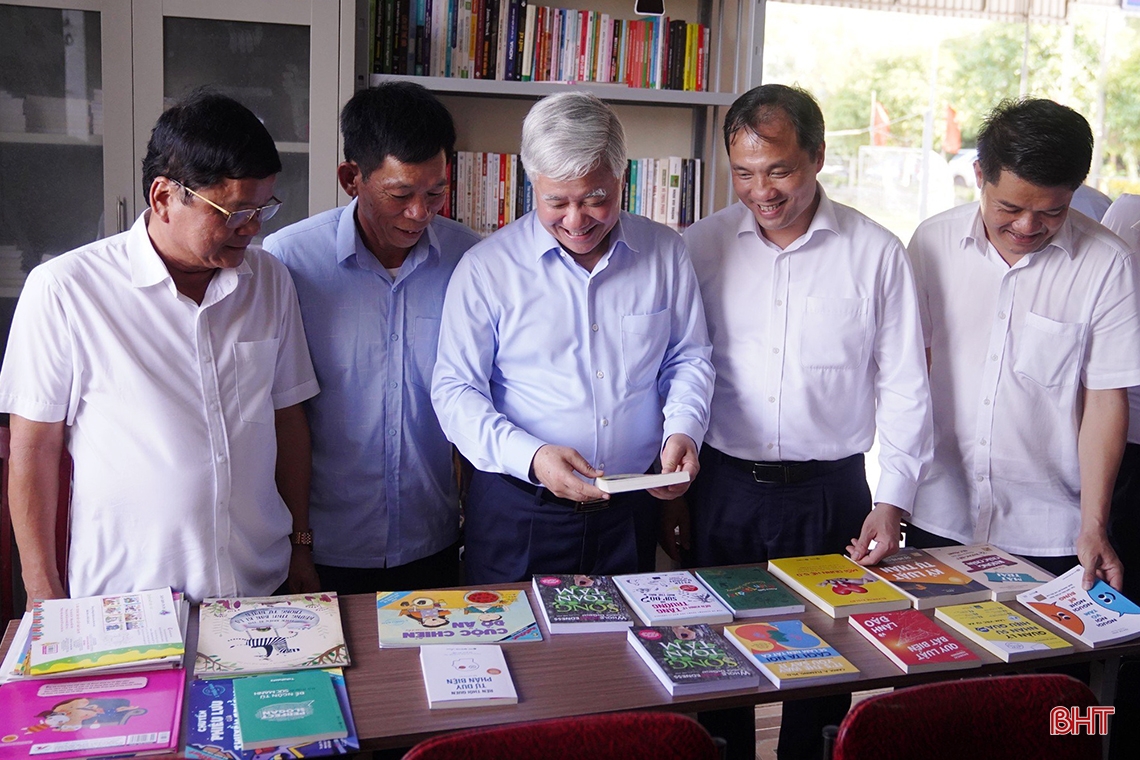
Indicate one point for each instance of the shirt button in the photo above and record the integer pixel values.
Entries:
(775, 350)
(986, 402)
(601, 465)
(779, 302)
(394, 384)
(601, 374)
(395, 336)
(993, 357)
(221, 457)
(594, 328)
(605, 422)
(771, 445)
(983, 441)
(1001, 315)
(772, 399)
(214, 405)
(981, 478)
(391, 431)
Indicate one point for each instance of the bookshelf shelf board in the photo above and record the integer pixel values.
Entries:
(45, 138)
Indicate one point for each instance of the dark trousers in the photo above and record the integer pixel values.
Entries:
(1124, 531)
(439, 570)
(736, 520)
(512, 534)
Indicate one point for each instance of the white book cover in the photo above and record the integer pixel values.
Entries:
(675, 598)
(1097, 617)
(527, 62)
(466, 676)
(1004, 574)
(635, 482)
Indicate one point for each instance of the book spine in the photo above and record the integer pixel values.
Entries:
(511, 61)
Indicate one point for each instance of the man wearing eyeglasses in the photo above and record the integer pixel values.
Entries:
(172, 362)
(371, 278)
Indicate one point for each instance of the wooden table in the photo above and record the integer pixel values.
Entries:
(579, 674)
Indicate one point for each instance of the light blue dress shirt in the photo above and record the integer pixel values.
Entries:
(534, 349)
(383, 493)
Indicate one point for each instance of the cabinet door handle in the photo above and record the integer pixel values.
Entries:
(122, 214)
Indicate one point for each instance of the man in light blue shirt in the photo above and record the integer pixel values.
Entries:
(371, 278)
(573, 342)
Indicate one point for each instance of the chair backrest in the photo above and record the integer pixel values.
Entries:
(1000, 716)
(614, 736)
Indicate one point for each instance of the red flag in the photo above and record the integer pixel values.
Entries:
(952, 140)
(880, 124)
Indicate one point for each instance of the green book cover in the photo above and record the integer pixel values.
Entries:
(750, 591)
(287, 708)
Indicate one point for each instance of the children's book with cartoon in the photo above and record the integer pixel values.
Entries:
(581, 604)
(749, 591)
(1097, 617)
(838, 585)
(1003, 632)
(472, 616)
(281, 709)
(691, 659)
(914, 642)
(672, 598)
(467, 676)
(269, 634)
(927, 581)
(213, 732)
(1004, 574)
(788, 652)
(92, 716)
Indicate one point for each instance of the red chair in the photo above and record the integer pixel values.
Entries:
(614, 736)
(1004, 717)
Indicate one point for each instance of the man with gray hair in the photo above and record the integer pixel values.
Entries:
(573, 343)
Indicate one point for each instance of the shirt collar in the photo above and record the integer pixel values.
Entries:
(824, 220)
(545, 242)
(148, 268)
(350, 245)
(976, 236)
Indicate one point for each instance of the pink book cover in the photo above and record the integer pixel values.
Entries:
(94, 716)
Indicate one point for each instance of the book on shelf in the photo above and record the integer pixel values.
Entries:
(927, 581)
(213, 732)
(671, 598)
(92, 716)
(268, 634)
(1004, 574)
(640, 482)
(1002, 631)
(749, 591)
(282, 709)
(838, 585)
(691, 659)
(1097, 617)
(788, 652)
(581, 604)
(475, 675)
(914, 642)
(462, 616)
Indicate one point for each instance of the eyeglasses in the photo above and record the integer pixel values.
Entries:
(235, 219)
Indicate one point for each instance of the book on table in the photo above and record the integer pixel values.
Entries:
(269, 634)
(927, 581)
(914, 642)
(749, 591)
(213, 733)
(475, 675)
(462, 616)
(671, 598)
(1004, 574)
(635, 482)
(282, 709)
(581, 604)
(788, 652)
(1097, 617)
(92, 715)
(838, 585)
(1002, 631)
(691, 659)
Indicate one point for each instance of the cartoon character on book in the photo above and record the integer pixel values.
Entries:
(1061, 615)
(789, 634)
(487, 605)
(845, 586)
(583, 581)
(86, 713)
(1115, 602)
(426, 611)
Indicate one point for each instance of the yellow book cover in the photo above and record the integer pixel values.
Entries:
(1004, 632)
(471, 616)
(837, 585)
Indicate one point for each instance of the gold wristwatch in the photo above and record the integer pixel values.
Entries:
(302, 538)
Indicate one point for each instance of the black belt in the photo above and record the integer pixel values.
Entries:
(784, 473)
(546, 497)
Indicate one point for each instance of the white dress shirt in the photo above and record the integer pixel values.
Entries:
(169, 409)
(533, 349)
(815, 345)
(1123, 218)
(1010, 349)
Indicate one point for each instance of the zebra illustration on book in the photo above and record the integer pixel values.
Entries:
(270, 644)
(270, 628)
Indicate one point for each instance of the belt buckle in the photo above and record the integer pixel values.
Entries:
(593, 505)
(783, 472)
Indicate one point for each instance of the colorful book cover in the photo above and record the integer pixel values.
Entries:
(581, 604)
(1097, 617)
(914, 642)
(838, 585)
(213, 732)
(749, 591)
(1004, 574)
(466, 676)
(691, 659)
(275, 709)
(120, 630)
(94, 716)
(473, 616)
(927, 581)
(675, 598)
(269, 634)
(1003, 632)
(787, 651)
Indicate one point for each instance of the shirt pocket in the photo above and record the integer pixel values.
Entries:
(256, 364)
(425, 345)
(644, 338)
(1049, 353)
(834, 333)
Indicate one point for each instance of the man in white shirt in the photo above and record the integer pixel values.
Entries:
(1030, 319)
(816, 343)
(172, 361)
